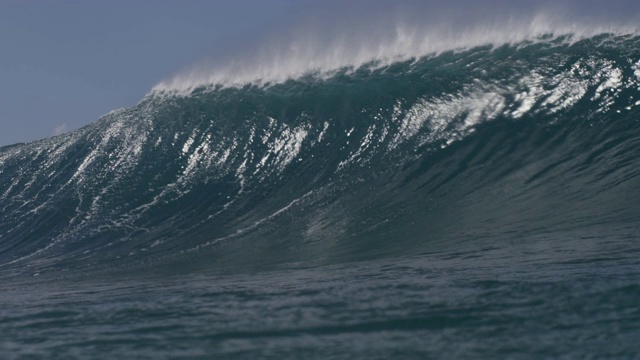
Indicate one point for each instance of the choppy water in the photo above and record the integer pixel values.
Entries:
(485, 303)
(480, 203)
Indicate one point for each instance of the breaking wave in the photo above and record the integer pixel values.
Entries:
(362, 153)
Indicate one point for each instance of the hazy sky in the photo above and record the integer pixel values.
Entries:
(63, 63)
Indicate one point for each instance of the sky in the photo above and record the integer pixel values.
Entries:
(64, 63)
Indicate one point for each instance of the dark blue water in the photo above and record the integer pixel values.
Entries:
(474, 204)
(486, 303)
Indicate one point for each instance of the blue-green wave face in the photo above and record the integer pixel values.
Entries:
(415, 155)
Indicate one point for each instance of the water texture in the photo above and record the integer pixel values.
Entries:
(476, 203)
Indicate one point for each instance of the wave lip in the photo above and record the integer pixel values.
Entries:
(309, 55)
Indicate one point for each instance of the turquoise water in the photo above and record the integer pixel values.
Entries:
(472, 204)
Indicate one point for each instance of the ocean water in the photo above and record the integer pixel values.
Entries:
(474, 203)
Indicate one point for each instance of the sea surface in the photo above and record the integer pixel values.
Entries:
(482, 203)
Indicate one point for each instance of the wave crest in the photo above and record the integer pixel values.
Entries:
(306, 54)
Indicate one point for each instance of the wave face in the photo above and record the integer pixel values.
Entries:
(504, 142)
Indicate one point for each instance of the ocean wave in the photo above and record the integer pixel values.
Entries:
(306, 54)
(383, 155)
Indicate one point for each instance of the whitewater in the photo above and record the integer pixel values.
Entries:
(419, 193)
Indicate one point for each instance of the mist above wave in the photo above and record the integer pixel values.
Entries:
(320, 47)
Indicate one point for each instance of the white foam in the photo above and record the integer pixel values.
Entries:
(568, 89)
(613, 80)
(450, 118)
(306, 55)
(636, 70)
(364, 146)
